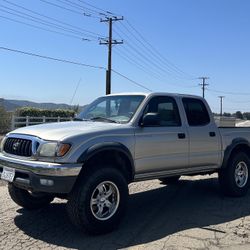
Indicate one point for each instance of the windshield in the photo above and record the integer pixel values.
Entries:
(119, 109)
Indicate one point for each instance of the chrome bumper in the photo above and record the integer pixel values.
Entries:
(41, 168)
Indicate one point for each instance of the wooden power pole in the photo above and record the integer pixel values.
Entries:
(203, 84)
(110, 42)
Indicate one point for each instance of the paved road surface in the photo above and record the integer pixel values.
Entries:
(190, 215)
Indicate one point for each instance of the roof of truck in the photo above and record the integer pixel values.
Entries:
(154, 93)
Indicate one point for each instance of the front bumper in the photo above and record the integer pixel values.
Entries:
(40, 176)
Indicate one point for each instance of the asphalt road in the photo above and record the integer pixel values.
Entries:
(190, 215)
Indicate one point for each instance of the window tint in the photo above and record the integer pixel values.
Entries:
(118, 108)
(196, 112)
(167, 110)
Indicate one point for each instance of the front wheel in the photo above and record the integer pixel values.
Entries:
(28, 200)
(98, 201)
(234, 179)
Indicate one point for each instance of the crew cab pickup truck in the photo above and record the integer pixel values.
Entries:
(116, 140)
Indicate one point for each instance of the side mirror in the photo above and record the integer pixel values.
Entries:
(150, 120)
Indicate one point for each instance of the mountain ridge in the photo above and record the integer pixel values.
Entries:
(12, 104)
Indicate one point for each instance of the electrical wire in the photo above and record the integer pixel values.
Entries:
(51, 58)
(41, 28)
(142, 57)
(68, 9)
(54, 19)
(156, 52)
(145, 70)
(44, 22)
(77, 6)
(102, 10)
(130, 80)
(228, 92)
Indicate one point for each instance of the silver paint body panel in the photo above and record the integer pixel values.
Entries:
(156, 151)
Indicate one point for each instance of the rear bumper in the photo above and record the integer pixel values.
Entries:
(41, 176)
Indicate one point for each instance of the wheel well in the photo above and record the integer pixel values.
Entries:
(240, 148)
(114, 158)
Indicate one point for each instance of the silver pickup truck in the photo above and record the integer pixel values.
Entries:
(116, 140)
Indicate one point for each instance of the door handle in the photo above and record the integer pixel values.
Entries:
(212, 134)
(181, 135)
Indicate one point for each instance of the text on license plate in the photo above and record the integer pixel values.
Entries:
(8, 174)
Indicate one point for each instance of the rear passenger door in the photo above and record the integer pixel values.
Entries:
(204, 145)
(164, 146)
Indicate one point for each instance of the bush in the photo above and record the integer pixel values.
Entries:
(36, 112)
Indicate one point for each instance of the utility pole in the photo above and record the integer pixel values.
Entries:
(203, 84)
(221, 102)
(110, 42)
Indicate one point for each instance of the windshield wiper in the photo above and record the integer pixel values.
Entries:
(79, 119)
(100, 118)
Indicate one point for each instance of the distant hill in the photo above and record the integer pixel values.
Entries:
(12, 105)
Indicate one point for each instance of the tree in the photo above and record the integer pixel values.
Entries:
(227, 114)
(246, 115)
(239, 115)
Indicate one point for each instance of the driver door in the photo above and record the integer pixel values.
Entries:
(161, 147)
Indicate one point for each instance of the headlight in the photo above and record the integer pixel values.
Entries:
(48, 149)
(51, 149)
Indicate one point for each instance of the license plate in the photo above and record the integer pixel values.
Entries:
(8, 174)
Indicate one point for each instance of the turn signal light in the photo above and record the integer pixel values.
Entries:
(63, 149)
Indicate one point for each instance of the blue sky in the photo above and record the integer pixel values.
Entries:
(201, 37)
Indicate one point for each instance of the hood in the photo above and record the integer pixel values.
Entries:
(59, 131)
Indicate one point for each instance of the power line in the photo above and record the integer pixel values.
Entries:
(143, 54)
(68, 9)
(130, 80)
(77, 6)
(51, 58)
(149, 60)
(44, 22)
(138, 65)
(54, 19)
(91, 5)
(146, 70)
(229, 93)
(41, 28)
(154, 57)
(156, 52)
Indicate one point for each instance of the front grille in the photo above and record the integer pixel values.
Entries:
(17, 146)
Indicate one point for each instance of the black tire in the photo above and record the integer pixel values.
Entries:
(230, 184)
(28, 200)
(79, 208)
(170, 180)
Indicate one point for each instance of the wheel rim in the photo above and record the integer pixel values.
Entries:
(105, 200)
(241, 174)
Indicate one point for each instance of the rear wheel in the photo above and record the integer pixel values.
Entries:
(234, 179)
(98, 201)
(28, 200)
(170, 180)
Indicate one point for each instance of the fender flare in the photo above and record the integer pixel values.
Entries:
(228, 151)
(101, 147)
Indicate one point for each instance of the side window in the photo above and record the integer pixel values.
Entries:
(196, 112)
(167, 110)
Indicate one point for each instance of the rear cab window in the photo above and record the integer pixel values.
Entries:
(196, 112)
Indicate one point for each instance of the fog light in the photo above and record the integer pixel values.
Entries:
(46, 182)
